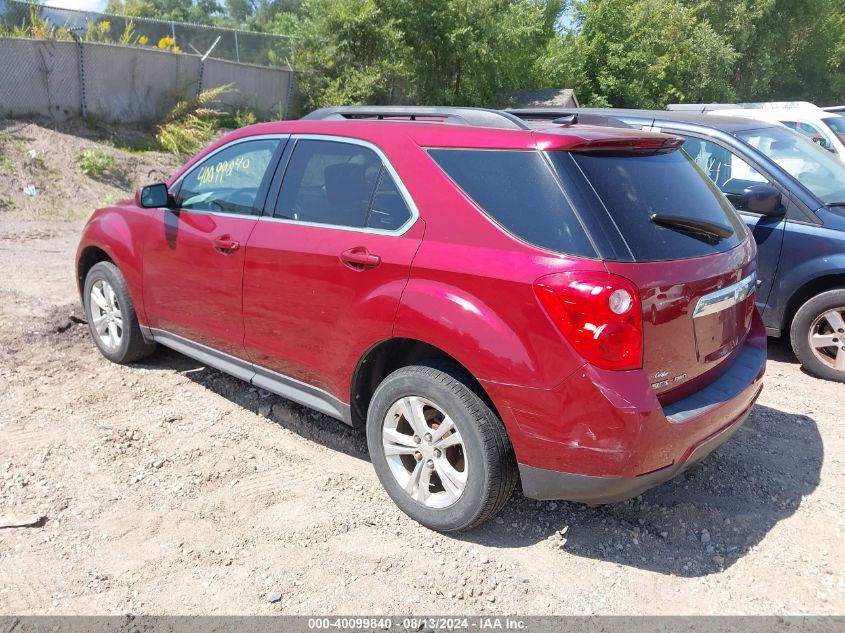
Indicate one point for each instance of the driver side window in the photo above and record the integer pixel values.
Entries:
(730, 172)
(228, 181)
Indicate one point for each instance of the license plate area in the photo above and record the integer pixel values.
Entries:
(722, 318)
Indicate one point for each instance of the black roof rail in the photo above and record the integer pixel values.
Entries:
(475, 117)
(569, 116)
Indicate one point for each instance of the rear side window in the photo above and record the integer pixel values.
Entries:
(518, 190)
(634, 188)
(388, 211)
(329, 183)
(340, 184)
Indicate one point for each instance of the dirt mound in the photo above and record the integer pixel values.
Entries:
(41, 164)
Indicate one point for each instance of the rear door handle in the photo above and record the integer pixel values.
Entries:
(359, 258)
(225, 244)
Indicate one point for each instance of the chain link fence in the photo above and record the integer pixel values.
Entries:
(62, 79)
(245, 47)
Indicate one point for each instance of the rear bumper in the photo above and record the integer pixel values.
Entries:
(602, 437)
(539, 483)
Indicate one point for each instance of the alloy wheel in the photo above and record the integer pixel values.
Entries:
(106, 316)
(827, 338)
(425, 451)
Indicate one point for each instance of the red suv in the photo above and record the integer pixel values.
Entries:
(495, 297)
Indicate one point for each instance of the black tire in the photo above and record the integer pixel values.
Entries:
(491, 466)
(132, 346)
(801, 330)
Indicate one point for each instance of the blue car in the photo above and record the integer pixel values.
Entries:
(791, 193)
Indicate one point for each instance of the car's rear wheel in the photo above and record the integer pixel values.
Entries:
(818, 335)
(111, 315)
(439, 450)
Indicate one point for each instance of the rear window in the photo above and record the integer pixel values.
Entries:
(519, 190)
(633, 188)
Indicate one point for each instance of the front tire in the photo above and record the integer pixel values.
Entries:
(111, 315)
(439, 450)
(818, 335)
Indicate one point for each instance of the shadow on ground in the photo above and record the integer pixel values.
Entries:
(780, 350)
(698, 524)
(301, 420)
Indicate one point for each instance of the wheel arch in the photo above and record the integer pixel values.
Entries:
(387, 356)
(115, 235)
(88, 258)
(806, 292)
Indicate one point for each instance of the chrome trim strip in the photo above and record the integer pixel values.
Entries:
(284, 386)
(726, 297)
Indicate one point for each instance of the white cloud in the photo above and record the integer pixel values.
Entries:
(79, 5)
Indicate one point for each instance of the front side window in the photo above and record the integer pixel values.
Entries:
(340, 184)
(731, 173)
(228, 181)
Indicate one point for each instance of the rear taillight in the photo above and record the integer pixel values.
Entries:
(598, 313)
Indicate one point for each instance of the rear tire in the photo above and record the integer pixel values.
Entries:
(818, 335)
(111, 316)
(463, 483)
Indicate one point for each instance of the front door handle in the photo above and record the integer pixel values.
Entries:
(359, 258)
(225, 244)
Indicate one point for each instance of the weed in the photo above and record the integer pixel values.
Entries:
(6, 164)
(36, 27)
(241, 117)
(110, 198)
(192, 124)
(96, 163)
(136, 146)
(36, 162)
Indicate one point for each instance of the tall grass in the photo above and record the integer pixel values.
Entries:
(192, 124)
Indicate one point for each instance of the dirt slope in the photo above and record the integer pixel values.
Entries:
(34, 155)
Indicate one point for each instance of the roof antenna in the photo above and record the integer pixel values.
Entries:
(567, 119)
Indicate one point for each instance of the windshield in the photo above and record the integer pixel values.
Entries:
(837, 124)
(814, 167)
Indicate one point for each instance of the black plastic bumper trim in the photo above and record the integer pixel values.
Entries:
(543, 484)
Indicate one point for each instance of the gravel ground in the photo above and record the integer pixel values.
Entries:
(169, 487)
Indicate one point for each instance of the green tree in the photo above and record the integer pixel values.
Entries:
(788, 49)
(193, 11)
(351, 53)
(647, 53)
(472, 52)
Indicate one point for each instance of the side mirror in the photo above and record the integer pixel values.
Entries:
(762, 199)
(153, 196)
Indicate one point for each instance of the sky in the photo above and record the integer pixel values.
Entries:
(81, 5)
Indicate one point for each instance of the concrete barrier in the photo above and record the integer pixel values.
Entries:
(260, 87)
(124, 83)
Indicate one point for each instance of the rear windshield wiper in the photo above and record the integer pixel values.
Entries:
(713, 231)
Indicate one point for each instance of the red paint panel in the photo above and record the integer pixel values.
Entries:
(310, 316)
(673, 342)
(192, 287)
